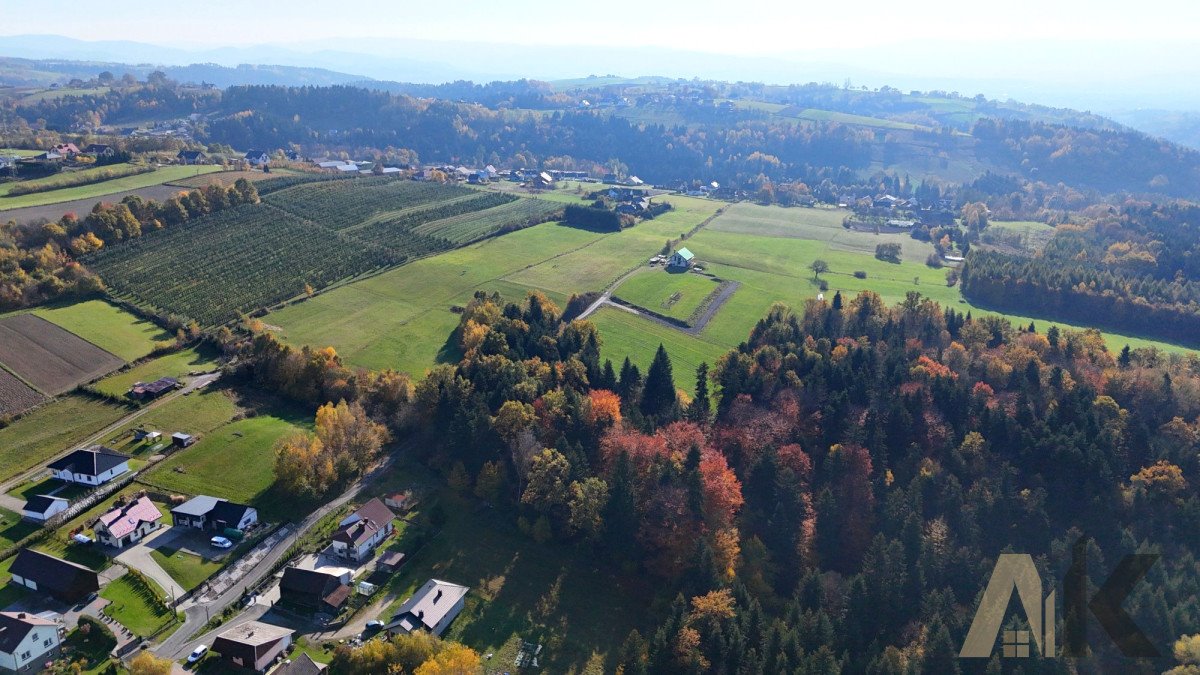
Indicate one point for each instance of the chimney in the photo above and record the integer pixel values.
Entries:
(21, 615)
(438, 596)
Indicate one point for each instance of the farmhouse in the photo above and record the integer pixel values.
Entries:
(432, 608)
(66, 149)
(41, 508)
(360, 532)
(91, 466)
(192, 157)
(682, 259)
(314, 590)
(257, 158)
(211, 513)
(145, 391)
(128, 524)
(62, 580)
(100, 150)
(26, 639)
(253, 645)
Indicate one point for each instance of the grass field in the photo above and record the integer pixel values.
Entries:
(197, 414)
(672, 294)
(176, 364)
(164, 174)
(234, 461)
(625, 335)
(51, 429)
(13, 528)
(138, 608)
(19, 152)
(107, 326)
(189, 569)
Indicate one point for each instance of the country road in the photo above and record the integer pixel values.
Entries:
(16, 504)
(180, 643)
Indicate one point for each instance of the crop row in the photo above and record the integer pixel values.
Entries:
(272, 185)
(234, 262)
(393, 232)
(342, 204)
(469, 227)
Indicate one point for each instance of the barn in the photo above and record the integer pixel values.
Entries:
(682, 259)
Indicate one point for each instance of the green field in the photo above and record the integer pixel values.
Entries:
(625, 335)
(189, 569)
(19, 152)
(234, 462)
(176, 364)
(673, 294)
(136, 606)
(164, 174)
(51, 429)
(14, 528)
(107, 326)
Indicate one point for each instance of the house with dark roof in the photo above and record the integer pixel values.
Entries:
(253, 645)
(90, 466)
(191, 157)
(147, 391)
(314, 590)
(100, 150)
(300, 665)
(25, 640)
(41, 508)
(360, 532)
(433, 607)
(211, 513)
(62, 580)
(258, 158)
(128, 523)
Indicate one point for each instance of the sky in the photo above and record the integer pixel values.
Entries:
(759, 27)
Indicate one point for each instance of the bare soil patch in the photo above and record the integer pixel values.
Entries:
(50, 358)
(15, 396)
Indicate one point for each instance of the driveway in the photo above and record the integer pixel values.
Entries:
(137, 556)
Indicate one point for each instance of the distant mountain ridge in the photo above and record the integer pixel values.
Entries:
(44, 72)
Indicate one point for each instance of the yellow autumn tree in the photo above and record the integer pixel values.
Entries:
(146, 663)
(455, 659)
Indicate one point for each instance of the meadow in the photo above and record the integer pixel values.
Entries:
(175, 364)
(673, 294)
(107, 326)
(159, 176)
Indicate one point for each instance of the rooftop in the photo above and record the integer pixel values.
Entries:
(125, 519)
(255, 633)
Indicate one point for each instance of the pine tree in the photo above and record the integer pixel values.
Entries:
(1125, 358)
(608, 377)
(701, 407)
(630, 386)
(658, 396)
(837, 301)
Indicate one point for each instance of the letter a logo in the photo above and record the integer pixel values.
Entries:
(1013, 570)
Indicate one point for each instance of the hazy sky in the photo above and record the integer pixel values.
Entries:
(753, 27)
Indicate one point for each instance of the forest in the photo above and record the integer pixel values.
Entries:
(833, 497)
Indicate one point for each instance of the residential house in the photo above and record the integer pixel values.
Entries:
(100, 150)
(66, 149)
(191, 157)
(90, 466)
(41, 508)
(211, 513)
(49, 156)
(682, 258)
(62, 580)
(26, 642)
(391, 169)
(433, 607)
(300, 665)
(182, 440)
(542, 181)
(360, 532)
(128, 523)
(253, 645)
(258, 158)
(478, 178)
(292, 155)
(349, 167)
(145, 391)
(314, 590)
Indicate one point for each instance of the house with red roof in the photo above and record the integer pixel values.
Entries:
(129, 523)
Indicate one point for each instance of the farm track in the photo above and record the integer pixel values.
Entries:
(723, 294)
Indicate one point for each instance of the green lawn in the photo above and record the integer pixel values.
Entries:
(554, 594)
(9, 593)
(197, 414)
(164, 174)
(176, 364)
(673, 294)
(13, 528)
(51, 429)
(189, 569)
(19, 152)
(625, 335)
(138, 608)
(235, 462)
(107, 326)
(45, 486)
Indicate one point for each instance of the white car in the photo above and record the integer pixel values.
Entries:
(221, 542)
(197, 653)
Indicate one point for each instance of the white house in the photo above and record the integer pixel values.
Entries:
(128, 524)
(90, 466)
(431, 608)
(26, 642)
(258, 158)
(360, 532)
(41, 508)
(681, 258)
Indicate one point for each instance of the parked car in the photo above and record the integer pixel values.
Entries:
(374, 625)
(197, 653)
(221, 542)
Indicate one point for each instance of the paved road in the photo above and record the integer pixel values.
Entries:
(179, 643)
(16, 504)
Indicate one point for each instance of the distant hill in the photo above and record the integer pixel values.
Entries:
(1181, 127)
(43, 72)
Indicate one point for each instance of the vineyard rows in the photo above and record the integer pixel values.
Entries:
(393, 232)
(338, 205)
